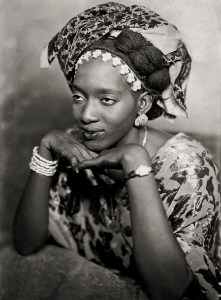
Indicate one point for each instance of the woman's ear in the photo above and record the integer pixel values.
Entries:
(144, 103)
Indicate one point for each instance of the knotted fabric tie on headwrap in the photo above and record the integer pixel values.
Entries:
(91, 25)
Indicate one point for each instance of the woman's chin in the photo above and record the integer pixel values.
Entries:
(94, 146)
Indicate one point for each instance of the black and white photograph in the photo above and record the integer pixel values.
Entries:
(110, 134)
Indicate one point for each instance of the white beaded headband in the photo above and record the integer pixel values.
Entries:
(116, 61)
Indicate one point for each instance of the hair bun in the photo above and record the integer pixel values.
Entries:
(145, 57)
(159, 79)
(128, 41)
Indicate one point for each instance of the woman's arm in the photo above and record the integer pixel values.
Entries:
(31, 219)
(159, 258)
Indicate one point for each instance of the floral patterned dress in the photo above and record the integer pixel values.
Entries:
(95, 221)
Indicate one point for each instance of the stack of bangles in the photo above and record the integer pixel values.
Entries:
(41, 165)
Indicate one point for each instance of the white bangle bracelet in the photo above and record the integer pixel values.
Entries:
(44, 160)
(41, 165)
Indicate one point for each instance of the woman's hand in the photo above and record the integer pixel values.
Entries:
(126, 158)
(61, 145)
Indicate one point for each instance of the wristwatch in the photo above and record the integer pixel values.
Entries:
(140, 171)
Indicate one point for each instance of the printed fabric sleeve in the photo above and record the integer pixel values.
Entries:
(59, 226)
(189, 187)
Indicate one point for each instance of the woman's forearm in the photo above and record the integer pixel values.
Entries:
(159, 258)
(31, 219)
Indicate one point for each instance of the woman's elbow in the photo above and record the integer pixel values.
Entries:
(175, 291)
(24, 251)
(27, 247)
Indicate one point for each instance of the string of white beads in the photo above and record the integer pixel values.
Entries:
(116, 61)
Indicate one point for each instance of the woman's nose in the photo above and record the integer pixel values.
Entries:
(89, 113)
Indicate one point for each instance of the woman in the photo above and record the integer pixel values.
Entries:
(122, 194)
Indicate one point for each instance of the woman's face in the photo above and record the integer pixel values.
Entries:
(104, 105)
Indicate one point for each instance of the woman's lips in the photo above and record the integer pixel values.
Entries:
(91, 135)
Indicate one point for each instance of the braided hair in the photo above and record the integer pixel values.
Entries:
(148, 61)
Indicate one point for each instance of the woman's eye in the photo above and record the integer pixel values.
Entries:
(108, 101)
(77, 98)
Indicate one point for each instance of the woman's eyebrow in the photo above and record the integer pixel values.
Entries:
(99, 90)
(76, 87)
(109, 91)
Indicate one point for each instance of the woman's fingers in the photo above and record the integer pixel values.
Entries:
(90, 163)
(102, 161)
(79, 154)
(90, 176)
(104, 177)
(100, 174)
(109, 159)
(67, 147)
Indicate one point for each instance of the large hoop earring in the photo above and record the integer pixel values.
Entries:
(141, 121)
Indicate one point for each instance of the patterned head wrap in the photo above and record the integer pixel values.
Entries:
(93, 24)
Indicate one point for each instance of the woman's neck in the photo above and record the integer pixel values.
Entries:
(155, 139)
(134, 136)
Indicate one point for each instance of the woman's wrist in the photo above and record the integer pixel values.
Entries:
(44, 149)
(134, 158)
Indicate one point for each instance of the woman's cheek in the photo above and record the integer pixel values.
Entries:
(76, 112)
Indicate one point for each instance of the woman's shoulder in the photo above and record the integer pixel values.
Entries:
(165, 144)
(181, 144)
(185, 171)
(184, 153)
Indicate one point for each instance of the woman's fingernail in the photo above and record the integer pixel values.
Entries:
(94, 182)
(82, 162)
(81, 165)
(76, 169)
(110, 181)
